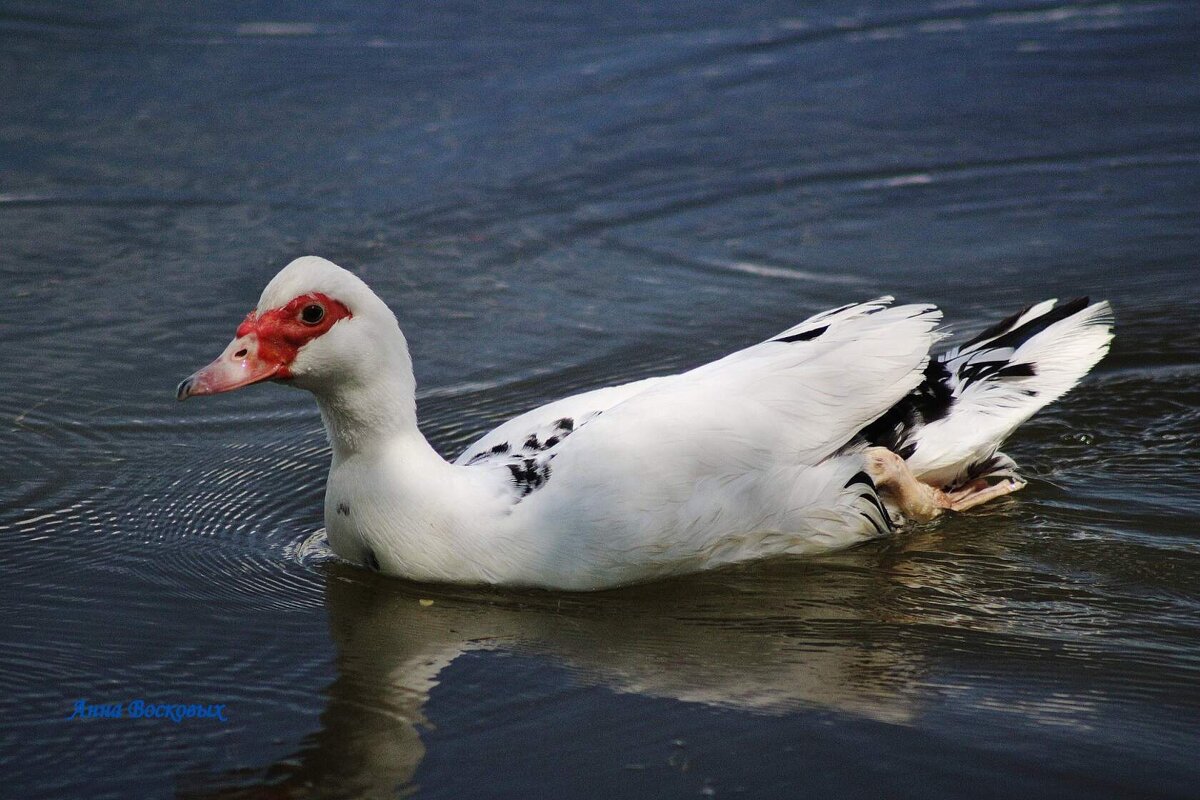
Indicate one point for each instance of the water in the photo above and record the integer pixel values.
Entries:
(555, 197)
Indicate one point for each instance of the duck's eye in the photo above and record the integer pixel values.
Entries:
(312, 314)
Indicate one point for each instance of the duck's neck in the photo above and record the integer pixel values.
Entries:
(391, 500)
(369, 402)
(363, 416)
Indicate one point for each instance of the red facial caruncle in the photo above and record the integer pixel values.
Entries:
(266, 345)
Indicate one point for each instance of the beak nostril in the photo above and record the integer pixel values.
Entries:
(240, 353)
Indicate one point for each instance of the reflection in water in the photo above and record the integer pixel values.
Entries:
(789, 636)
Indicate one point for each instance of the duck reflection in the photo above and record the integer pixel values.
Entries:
(768, 639)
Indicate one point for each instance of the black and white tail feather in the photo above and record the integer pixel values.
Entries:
(973, 396)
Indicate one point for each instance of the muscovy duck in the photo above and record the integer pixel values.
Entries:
(824, 435)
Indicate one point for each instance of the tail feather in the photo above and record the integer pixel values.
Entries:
(1033, 363)
(976, 394)
(1006, 326)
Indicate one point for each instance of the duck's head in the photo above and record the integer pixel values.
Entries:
(316, 327)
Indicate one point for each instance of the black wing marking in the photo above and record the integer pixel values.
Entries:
(530, 474)
(1021, 334)
(931, 400)
(528, 460)
(803, 336)
(870, 508)
(988, 356)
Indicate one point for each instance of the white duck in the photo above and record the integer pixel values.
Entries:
(787, 446)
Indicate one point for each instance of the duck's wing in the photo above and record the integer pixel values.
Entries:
(525, 445)
(531, 434)
(771, 371)
(790, 401)
(801, 395)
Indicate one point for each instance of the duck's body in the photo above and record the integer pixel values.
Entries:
(774, 449)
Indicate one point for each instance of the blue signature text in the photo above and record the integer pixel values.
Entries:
(140, 709)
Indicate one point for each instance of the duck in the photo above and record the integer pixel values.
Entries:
(841, 429)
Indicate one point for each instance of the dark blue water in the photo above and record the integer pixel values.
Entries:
(555, 197)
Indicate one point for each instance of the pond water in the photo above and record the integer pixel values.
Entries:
(555, 197)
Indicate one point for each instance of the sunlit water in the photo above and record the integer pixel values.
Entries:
(554, 198)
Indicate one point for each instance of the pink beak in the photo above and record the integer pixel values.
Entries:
(240, 365)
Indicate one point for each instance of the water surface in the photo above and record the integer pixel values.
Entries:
(555, 197)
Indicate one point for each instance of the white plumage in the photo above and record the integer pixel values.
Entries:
(988, 409)
(760, 453)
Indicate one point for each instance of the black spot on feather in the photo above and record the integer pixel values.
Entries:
(874, 522)
(496, 450)
(528, 475)
(981, 468)
(930, 401)
(983, 370)
(979, 370)
(1022, 334)
(837, 310)
(859, 477)
(804, 336)
(874, 500)
(566, 424)
(995, 330)
(553, 440)
(343, 509)
(532, 443)
(1017, 371)
(863, 479)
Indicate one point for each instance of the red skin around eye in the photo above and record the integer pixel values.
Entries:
(281, 333)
